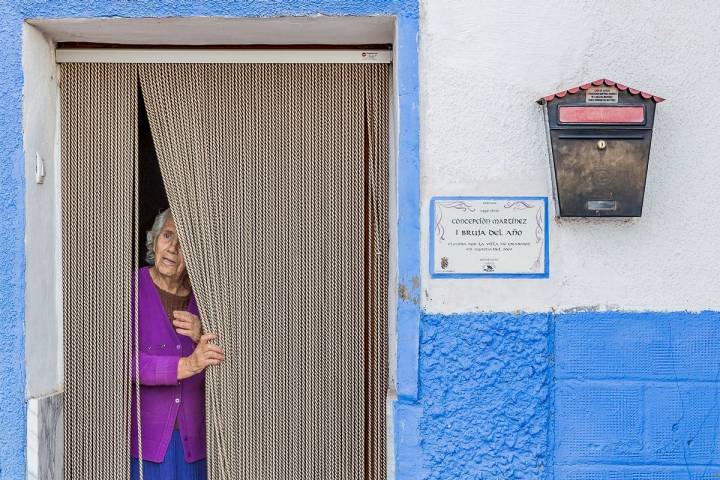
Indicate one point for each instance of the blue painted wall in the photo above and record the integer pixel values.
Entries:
(637, 396)
(582, 396)
(485, 383)
(13, 13)
(12, 260)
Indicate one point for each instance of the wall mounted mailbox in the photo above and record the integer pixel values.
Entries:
(599, 140)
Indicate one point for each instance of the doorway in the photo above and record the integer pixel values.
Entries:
(277, 177)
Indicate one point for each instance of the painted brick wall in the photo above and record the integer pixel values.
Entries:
(637, 396)
(581, 396)
(485, 389)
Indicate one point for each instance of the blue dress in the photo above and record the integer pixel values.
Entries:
(173, 466)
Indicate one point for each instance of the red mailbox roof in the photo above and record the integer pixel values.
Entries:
(597, 83)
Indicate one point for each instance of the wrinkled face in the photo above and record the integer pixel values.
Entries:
(168, 257)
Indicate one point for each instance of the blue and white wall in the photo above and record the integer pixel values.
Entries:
(609, 369)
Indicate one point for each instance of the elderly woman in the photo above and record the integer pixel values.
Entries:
(173, 354)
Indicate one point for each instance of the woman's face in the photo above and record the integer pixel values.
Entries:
(168, 257)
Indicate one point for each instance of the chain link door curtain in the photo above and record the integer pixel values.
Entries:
(98, 163)
(277, 178)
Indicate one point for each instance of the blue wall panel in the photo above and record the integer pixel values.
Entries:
(485, 393)
(647, 472)
(598, 421)
(637, 395)
(583, 396)
(661, 346)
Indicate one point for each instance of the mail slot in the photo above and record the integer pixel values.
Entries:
(599, 142)
(580, 114)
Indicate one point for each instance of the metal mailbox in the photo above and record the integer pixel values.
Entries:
(599, 138)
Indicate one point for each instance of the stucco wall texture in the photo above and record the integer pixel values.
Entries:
(482, 66)
(485, 384)
(628, 385)
(582, 396)
(12, 261)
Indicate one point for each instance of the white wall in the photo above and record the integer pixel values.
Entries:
(43, 321)
(483, 65)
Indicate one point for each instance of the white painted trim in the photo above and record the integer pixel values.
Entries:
(43, 278)
(295, 30)
(138, 55)
(43, 304)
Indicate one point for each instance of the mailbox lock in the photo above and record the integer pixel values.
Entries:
(601, 145)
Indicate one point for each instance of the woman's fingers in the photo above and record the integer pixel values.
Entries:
(184, 331)
(208, 353)
(211, 358)
(214, 348)
(208, 337)
(213, 354)
(184, 315)
(182, 324)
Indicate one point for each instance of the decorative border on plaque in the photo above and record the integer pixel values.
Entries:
(496, 237)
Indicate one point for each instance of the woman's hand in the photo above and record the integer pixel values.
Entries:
(205, 354)
(187, 324)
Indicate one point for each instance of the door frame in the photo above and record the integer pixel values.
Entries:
(43, 300)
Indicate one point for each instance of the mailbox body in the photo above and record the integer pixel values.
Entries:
(600, 153)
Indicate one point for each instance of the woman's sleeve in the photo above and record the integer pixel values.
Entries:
(154, 369)
(157, 369)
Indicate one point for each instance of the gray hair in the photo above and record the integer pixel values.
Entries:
(154, 233)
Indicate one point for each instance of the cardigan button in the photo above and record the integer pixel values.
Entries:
(177, 400)
(178, 347)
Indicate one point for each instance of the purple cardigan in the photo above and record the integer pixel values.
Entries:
(162, 396)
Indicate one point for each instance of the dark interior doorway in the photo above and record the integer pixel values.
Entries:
(152, 195)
